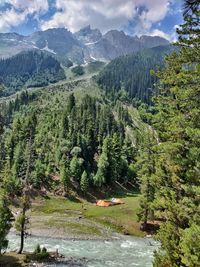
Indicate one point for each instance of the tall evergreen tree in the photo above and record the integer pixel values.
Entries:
(84, 182)
(71, 102)
(146, 171)
(103, 172)
(5, 223)
(190, 6)
(115, 156)
(177, 170)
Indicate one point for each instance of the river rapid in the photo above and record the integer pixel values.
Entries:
(124, 251)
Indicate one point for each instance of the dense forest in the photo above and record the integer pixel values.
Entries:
(70, 136)
(77, 136)
(133, 73)
(30, 69)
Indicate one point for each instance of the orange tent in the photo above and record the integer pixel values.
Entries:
(103, 203)
(117, 201)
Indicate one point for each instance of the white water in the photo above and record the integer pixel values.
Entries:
(124, 252)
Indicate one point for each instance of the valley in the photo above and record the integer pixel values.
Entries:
(99, 145)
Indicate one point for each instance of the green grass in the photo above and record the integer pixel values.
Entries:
(55, 205)
(75, 228)
(12, 259)
(121, 218)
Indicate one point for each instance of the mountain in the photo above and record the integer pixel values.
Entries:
(12, 44)
(31, 69)
(152, 41)
(132, 73)
(87, 35)
(59, 42)
(81, 47)
(115, 43)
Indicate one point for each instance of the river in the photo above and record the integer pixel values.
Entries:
(125, 251)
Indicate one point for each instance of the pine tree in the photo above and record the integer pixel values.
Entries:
(84, 182)
(190, 6)
(146, 171)
(103, 172)
(190, 246)
(65, 176)
(22, 220)
(115, 158)
(71, 102)
(5, 223)
(76, 167)
(177, 163)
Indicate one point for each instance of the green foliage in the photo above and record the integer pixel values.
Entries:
(54, 132)
(84, 183)
(39, 176)
(76, 167)
(103, 165)
(175, 174)
(38, 254)
(146, 171)
(30, 69)
(65, 176)
(71, 102)
(78, 70)
(37, 249)
(132, 73)
(190, 246)
(5, 223)
(95, 66)
(20, 220)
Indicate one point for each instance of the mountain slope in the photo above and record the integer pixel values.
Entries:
(116, 43)
(31, 68)
(81, 47)
(132, 72)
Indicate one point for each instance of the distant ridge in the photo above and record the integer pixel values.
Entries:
(81, 47)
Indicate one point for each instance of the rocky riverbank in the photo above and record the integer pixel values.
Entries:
(73, 228)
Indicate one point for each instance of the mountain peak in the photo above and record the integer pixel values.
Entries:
(152, 41)
(87, 35)
(86, 29)
(83, 46)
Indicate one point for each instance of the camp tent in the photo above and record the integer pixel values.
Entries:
(114, 201)
(103, 203)
(117, 201)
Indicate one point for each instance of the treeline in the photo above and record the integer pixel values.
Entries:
(133, 73)
(84, 144)
(30, 69)
(169, 161)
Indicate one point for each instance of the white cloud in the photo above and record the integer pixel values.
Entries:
(75, 14)
(19, 11)
(11, 18)
(160, 33)
(106, 14)
(172, 37)
(31, 6)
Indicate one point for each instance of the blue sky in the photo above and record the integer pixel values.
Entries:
(136, 17)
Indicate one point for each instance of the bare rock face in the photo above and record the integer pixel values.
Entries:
(81, 47)
(88, 36)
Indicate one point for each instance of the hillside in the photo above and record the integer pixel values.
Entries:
(73, 127)
(29, 69)
(100, 134)
(133, 73)
(72, 130)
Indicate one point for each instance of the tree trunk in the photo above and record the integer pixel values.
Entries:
(22, 242)
(145, 219)
(22, 231)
